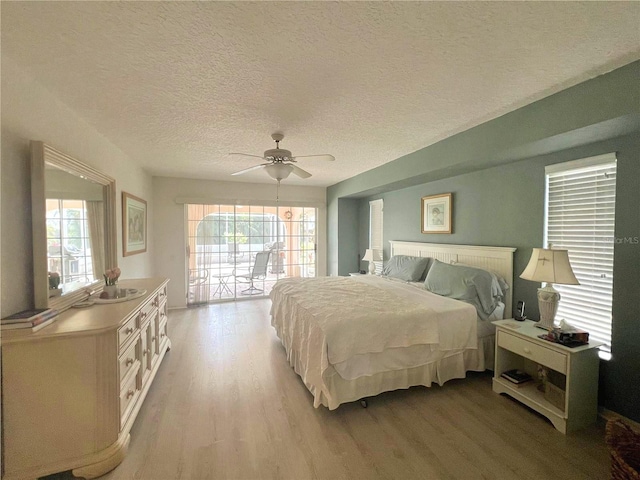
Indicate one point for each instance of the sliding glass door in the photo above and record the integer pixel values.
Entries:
(239, 251)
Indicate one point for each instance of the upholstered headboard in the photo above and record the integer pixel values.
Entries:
(498, 260)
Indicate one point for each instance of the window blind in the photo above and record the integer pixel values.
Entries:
(580, 217)
(375, 231)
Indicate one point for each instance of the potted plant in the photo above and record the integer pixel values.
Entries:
(54, 282)
(110, 288)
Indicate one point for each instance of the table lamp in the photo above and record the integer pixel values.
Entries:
(371, 256)
(551, 266)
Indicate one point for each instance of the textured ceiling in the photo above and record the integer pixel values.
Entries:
(179, 85)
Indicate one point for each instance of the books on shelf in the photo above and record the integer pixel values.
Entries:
(33, 319)
(516, 377)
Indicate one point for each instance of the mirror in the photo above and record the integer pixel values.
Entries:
(74, 227)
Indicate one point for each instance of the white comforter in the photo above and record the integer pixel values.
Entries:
(326, 321)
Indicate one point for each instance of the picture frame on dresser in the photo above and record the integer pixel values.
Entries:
(134, 225)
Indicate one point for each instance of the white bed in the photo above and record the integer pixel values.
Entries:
(343, 358)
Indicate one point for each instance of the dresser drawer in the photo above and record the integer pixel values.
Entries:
(162, 295)
(162, 332)
(126, 332)
(127, 362)
(128, 396)
(162, 314)
(153, 344)
(145, 353)
(146, 312)
(545, 356)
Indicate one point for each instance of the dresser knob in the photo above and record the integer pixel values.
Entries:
(129, 361)
(527, 350)
(153, 339)
(128, 331)
(130, 393)
(144, 352)
(162, 335)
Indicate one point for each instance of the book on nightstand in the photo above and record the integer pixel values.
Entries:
(517, 377)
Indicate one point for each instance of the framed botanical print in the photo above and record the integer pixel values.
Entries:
(134, 225)
(436, 213)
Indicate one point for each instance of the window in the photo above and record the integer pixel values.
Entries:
(580, 217)
(375, 231)
(68, 244)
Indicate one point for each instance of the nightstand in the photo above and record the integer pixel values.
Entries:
(518, 347)
(356, 274)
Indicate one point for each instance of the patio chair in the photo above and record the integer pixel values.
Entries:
(198, 278)
(258, 272)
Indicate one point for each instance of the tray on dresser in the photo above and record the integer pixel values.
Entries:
(132, 294)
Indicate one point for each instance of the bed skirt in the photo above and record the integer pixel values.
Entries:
(332, 390)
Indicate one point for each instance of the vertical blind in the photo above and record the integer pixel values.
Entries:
(580, 217)
(375, 231)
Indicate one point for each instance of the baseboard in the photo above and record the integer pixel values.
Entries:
(611, 415)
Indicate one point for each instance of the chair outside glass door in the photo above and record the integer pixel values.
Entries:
(257, 273)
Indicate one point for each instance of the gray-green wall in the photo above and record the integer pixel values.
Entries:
(504, 206)
(499, 194)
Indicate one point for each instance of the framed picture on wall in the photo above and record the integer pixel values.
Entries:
(134, 225)
(436, 213)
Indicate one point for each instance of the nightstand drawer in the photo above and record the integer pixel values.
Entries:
(537, 353)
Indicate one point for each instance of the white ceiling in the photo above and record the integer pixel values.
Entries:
(179, 85)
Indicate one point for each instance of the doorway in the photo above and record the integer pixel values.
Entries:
(224, 242)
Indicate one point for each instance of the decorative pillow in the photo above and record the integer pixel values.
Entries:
(468, 284)
(405, 267)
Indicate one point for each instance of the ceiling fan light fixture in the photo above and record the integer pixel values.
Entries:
(278, 154)
(279, 171)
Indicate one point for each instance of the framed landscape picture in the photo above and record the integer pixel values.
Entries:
(134, 225)
(436, 213)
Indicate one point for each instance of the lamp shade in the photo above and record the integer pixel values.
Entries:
(368, 255)
(549, 265)
(279, 171)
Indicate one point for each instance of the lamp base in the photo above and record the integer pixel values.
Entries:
(548, 299)
(372, 268)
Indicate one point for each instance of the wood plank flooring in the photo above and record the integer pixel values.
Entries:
(226, 405)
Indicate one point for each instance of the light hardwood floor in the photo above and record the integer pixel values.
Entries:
(226, 405)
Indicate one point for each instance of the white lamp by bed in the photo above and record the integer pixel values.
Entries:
(371, 255)
(551, 266)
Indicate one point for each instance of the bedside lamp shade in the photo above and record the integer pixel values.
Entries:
(371, 255)
(551, 266)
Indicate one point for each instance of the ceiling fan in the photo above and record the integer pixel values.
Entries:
(280, 162)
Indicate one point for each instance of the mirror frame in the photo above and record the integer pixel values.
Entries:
(42, 154)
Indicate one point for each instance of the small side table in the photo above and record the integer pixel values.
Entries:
(223, 284)
(356, 274)
(518, 347)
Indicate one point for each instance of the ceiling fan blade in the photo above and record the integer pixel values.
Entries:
(247, 155)
(300, 172)
(256, 167)
(324, 156)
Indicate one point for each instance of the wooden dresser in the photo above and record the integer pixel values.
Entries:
(72, 390)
